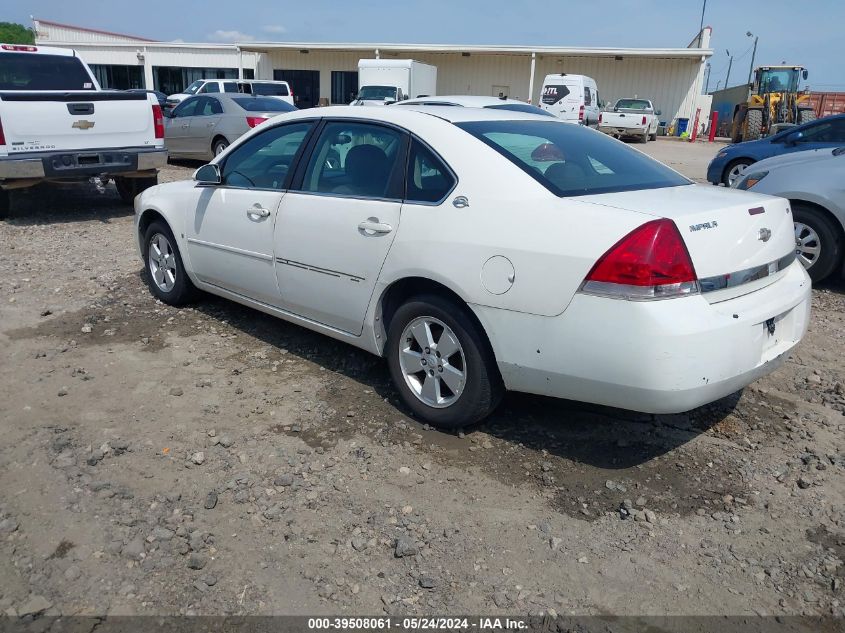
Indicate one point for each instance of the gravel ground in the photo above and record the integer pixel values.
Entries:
(213, 460)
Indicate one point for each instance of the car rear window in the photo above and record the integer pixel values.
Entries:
(633, 104)
(570, 160)
(275, 90)
(32, 71)
(263, 104)
(554, 93)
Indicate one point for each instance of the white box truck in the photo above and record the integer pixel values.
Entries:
(384, 81)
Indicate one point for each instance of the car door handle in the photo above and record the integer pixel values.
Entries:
(184, 125)
(258, 211)
(372, 225)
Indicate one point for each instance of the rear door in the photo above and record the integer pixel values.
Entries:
(51, 102)
(177, 132)
(822, 134)
(563, 99)
(207, 115)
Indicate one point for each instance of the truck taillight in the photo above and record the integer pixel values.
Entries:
(600, 117)
(2, 135)
(651, 262)
(158, 121)
(252, 121)
(581, 113)
(643, 120)
(19, 48)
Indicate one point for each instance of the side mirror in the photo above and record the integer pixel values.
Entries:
(792, 138)
(657, 113)
(208, 175)
(389, 100)
(805, 74)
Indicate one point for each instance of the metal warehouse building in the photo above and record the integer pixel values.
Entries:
(322, 73)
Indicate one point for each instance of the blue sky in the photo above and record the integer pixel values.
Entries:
(809, 35)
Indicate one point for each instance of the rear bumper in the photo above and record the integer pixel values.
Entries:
(81, 164)
(664, 356)
(621, 131)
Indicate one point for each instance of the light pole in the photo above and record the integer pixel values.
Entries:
(753, 54)
(730, 63)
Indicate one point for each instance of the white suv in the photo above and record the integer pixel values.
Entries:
(266, 88)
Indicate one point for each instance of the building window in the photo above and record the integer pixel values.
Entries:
(344, 86)
(172, 79)
(113, 77)
(305, 85)
(249, 73)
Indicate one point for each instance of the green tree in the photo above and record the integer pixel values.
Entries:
(11, 33)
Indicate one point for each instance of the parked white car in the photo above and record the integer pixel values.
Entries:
(631, 118)
(476, 101)
(261, 87)
(812, 182)
(571, 98)
(56, 124)
(480, 250)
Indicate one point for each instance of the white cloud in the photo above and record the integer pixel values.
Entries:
(231, 36)
(274, 28)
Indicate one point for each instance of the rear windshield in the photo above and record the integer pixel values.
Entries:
(553, 94)
(633, 104)
(520, 107)
(31, 71)
(276, 90)
(570, 160)
(263, 104)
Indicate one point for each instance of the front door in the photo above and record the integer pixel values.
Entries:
(177, 130)
(208, 114)
(333, 233)
(305, 85)
(230, 231)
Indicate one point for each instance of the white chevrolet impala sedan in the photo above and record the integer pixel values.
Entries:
(482, 250)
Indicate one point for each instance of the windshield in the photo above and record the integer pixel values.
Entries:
(377, 93)
(570, 160)
(31, 71)
(263, 104)
(192, 89)
(781, 80)
(277, 90)
(553, 94)
(633, 104)
(520, 107)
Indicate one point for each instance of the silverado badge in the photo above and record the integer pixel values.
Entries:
(82, 124)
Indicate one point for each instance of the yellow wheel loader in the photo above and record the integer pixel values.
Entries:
(774, 101)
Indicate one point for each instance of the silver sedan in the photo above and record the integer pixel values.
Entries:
(203, 126)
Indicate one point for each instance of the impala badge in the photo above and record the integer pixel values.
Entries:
(765, 235)
(82, 124)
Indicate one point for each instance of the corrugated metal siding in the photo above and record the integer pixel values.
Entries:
(670, 83)
(53, 33)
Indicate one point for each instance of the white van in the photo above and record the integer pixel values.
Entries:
(572, 98)
(263, 87)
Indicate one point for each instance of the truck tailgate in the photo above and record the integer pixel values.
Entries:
(627, 120)
(46, 121)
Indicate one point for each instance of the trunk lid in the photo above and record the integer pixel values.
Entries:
(727, 232)
(54, 121)
(631, 119)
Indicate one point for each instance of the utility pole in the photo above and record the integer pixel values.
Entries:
(753, 54)
(730, 63)
(701, 25)
(707, 81)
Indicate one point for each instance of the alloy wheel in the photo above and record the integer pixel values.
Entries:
(735, 173)
(808, 246)
(162, 262)
(432, 362)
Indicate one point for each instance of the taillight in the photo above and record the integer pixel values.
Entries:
(252, 121)
(643, 120)
(158, 121)
(2, 135)
(19, 47)
(651, 262)
(581, 113)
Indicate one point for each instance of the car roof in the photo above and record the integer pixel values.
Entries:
(473, 101)
(407, 116)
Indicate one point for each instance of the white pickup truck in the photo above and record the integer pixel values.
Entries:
(635, 118)
(56, 124)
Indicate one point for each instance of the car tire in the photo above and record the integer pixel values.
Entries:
(753, 126)
(645, 136)
(219, 146)
(476, 386)
(166, 274)
(734, 170)
(814, 229)
(5, 204)
(128, 188)
(653, 137)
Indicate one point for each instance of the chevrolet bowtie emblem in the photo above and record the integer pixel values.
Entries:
(765, 235)
(82, 124)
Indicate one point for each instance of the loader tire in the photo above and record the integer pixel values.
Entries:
(805, 116)
(753, 125)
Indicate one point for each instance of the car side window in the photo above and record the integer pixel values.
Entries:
(824, 132)
(230, 86)
(357, 159)
(587, 99)
(208, 106)
(428, 179)
(211, 86)
(265, 161)
(187, 108)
